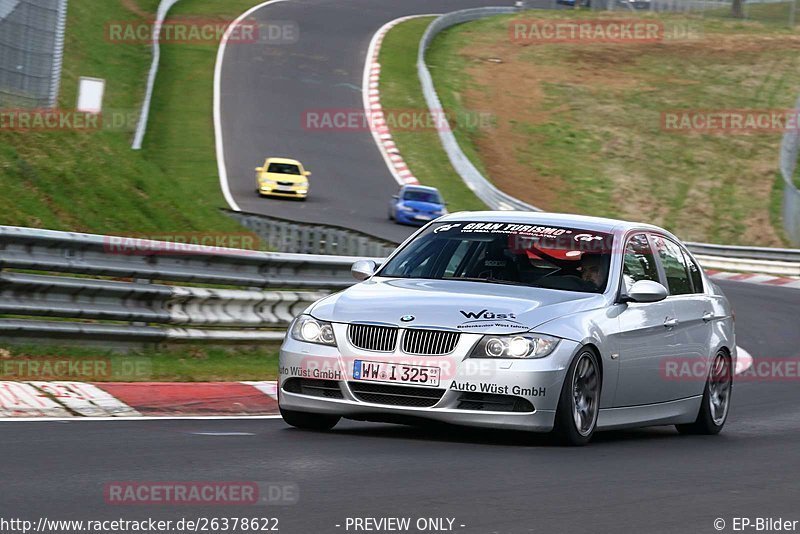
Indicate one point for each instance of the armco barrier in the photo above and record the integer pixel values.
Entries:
(141, 127)
(309, 238)
(126, 288)
(496, 199)
(483, 188)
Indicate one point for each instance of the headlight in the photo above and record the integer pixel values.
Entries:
(303, 184)
(310, 330)
(515, 346)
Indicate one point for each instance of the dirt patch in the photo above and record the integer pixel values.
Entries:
(516, 83)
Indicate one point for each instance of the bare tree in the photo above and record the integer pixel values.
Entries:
(737, 9)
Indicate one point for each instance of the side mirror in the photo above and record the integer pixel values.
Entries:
(307, 173)
(259, 169)
(646, 291)
(363, 269)
(396, 197)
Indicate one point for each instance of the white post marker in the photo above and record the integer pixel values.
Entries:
(90, 94)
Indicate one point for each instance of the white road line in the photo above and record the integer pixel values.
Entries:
(222, 169)
(222, 434)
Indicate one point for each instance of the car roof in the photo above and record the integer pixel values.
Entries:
(585, 222)
(284, 160)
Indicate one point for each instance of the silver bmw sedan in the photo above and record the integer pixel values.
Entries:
(532, 321)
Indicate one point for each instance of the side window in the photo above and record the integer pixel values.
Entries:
(638, 262)
(694, 273)
(674, 265)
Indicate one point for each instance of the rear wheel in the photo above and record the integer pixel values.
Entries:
(309, 421)
(716, 399)
(579, 403)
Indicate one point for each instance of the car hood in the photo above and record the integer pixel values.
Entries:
(473, 307)
(422, 206)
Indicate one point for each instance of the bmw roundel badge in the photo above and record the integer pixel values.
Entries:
(407, 318)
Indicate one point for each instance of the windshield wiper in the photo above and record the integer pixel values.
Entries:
(486, 280)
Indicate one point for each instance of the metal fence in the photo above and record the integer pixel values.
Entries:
(31, 50)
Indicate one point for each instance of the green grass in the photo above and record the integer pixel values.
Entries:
(401, 90)
(179, 363)
(91, 180)
(584, 132)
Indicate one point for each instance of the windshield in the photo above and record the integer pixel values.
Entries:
(422, 196)
(569, 259)
(283, 168)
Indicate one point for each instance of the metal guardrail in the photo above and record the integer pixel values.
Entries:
(483, 188)
(309, 238)
(88, 287)
(496, 199)
(121, 294)
(141, 127)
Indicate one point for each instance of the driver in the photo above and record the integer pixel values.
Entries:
(593, 271)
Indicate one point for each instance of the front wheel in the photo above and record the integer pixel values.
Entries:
(579, 403)
(309, 421)
(716, 399)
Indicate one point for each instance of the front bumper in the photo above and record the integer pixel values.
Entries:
(416, 219)
(294, 192)
(537, 381)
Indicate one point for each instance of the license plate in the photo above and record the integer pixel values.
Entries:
(397, 373)
(423, 217)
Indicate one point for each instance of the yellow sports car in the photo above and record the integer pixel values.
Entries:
(281, 177)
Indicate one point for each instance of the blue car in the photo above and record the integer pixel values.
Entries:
(416, 204)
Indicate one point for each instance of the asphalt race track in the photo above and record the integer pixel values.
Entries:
(648, 480)
(266, 90)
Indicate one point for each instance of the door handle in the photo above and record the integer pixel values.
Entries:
(670, 322)
(707, 316)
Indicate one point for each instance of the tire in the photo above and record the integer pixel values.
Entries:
(309, 421)
(716, 401)
(579, 400)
